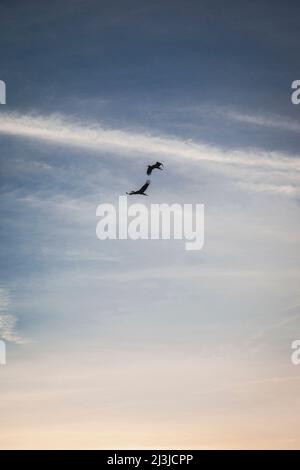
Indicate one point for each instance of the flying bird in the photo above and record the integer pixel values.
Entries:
(141, 190)
(156, 166)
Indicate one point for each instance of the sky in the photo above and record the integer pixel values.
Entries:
(121, 344)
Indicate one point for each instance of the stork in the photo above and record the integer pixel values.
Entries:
(156, 166)
(141, 191)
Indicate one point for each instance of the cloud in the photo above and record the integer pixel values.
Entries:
(7, 320)
(288, 320)
(196, 273)
(275, 122)
(62, 130)
(288, 190)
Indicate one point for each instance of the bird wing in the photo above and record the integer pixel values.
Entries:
(149, 170)
(144, 187)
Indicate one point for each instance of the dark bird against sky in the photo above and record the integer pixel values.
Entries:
(157, 166)
(141, 190)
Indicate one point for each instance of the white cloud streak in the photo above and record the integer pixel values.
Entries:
(287, 190)
(62, 130)
(275, 122)
(252, 170)
(7, 320)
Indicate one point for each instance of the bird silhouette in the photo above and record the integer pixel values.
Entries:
(156, 166)
(141, 191)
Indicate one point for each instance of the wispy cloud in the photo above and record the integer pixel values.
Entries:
(196, 273)
(64, 130)
(289, 318)
(272, 121)
(288, 190)
(7, 320)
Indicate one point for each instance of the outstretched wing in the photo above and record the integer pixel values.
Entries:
(143, 188)
(158, 164)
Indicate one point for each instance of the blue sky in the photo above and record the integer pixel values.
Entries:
(140, 343)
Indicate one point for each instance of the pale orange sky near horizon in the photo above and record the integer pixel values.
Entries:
(116, 401)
